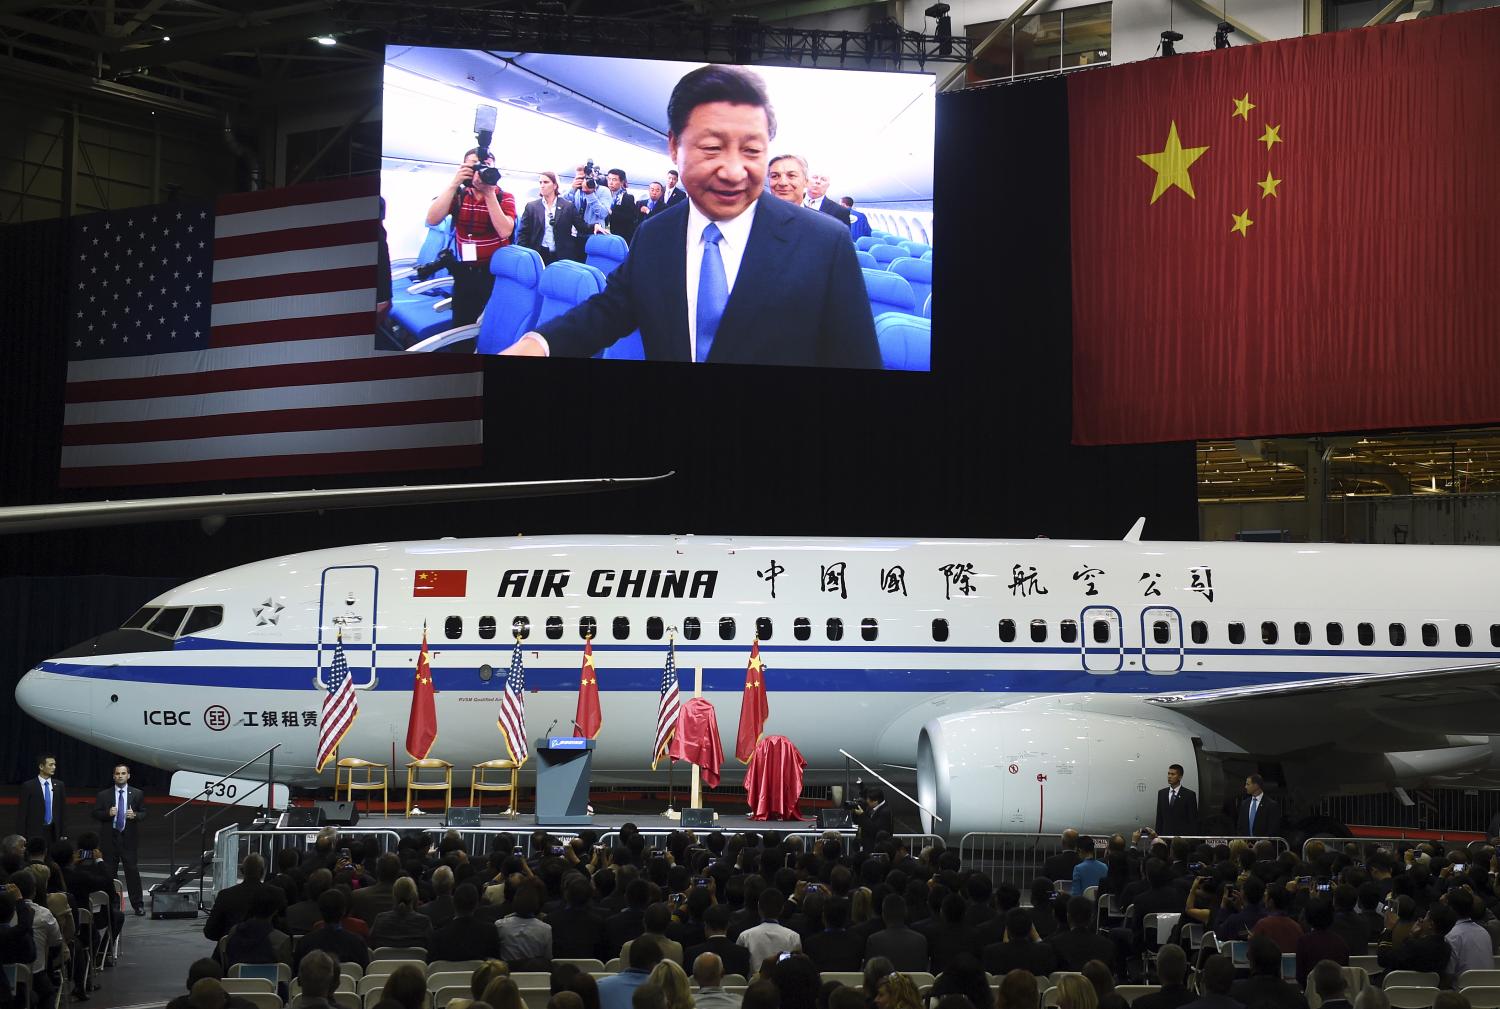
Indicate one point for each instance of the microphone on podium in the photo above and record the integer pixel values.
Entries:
(577, 729)
(548, 733)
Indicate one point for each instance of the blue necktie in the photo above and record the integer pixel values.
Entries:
(1254, 804)
(120, 812)
(713, 291)
(47, 801)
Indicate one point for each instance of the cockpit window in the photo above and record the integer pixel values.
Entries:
(201, 619)
(141, 617)
(167, 621)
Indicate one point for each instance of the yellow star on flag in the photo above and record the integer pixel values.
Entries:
(1242, 223)
(1171, 165)
(1242, 107)
(1268, 187)
(1271, 137)
(757, 664)
(588, 661)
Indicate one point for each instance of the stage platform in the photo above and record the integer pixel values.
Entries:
(601, 823)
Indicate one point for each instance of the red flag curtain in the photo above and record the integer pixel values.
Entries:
(1293, 237)
(587, 717)
(755, 707)
(421, 725)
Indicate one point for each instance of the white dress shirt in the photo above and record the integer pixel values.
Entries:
(736, 234)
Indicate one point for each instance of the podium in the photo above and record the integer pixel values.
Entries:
(564, 765)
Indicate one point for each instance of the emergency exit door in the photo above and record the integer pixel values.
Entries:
(346, 612)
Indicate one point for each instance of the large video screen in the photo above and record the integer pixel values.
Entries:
(648, 210)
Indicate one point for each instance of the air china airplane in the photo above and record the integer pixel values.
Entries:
(1026, 685)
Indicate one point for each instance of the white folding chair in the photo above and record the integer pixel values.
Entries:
(1478, 979)
(246, 985)
(398, 953)
(1481, 996)
(588, 966)
(470, 966)
(1412, 996)
(1410, 979)
(262, 1000)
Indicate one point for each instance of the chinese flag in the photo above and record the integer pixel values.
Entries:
(421, 728)
(440, 583)
(754, 708)
(1296, 236)
(588, 716)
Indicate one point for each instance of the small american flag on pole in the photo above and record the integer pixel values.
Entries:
(236, 339)
(513, 708)
(667, 708)
(340, 705)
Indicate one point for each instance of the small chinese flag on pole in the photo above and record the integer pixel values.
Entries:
(754, 708)
(588, 716)
(421, 728)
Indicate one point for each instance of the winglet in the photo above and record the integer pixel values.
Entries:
(1134, 536)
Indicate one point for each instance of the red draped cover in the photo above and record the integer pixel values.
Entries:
(774, 780)
(697, 740)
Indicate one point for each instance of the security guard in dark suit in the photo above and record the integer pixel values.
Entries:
(119, 810)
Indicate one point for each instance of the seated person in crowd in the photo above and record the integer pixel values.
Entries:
(402, 925)
(1265, 986)
(526, 940)
(1171, 971)
(208, 968)
(318, 976)
(615, 991)
(465, 937)
(333, 938)
(1020, 949)
(657, 919)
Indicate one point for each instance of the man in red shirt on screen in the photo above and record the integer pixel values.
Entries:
(484, 219)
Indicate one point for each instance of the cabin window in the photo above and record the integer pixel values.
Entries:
(202, 618)
(802, 628)
(1199, 630)
(167, 621)
(1039, 631)
(453, 627)
(726, 628)
(1495, 635)
(1334, 632)
(487, 627)
(588, 627)
(1068, 631)
(763, 628)
(1462, 635)
(1101, 632)
(939, 629)
(1236, 633)
(554, 628)
(1302, 632)
(1397, 634)
(1161, 633)
(1367, 634)
(654, 628)
(620, 628)
(1007, 630)
(691, 628)
(835, 629)
(520, 627)
(869, 629)
(1430, 635)
(1269, 635)
(140, 618)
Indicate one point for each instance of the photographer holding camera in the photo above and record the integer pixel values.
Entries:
(873, 817)
(484, 219)
(585, 196)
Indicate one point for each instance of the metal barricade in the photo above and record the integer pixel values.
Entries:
(1360, 848)
(233, 843)
(1018, 859)
(658, 838)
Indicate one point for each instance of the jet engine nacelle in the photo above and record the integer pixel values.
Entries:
(1042, 767)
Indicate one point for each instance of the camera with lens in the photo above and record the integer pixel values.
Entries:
(484, 132)
(859, 796)
(445, 260)
(593, 175)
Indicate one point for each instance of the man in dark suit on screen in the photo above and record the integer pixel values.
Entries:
(43, 803)
(818, 199)
(1259, 815)
(1176, 806)
(119, 810)
(763, 282)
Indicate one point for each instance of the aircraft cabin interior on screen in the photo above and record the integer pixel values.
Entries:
(577, 156)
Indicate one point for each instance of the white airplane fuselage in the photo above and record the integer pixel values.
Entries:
(864, 641)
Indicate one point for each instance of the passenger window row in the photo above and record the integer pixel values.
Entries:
(656, 628)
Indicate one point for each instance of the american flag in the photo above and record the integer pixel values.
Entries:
(340, 706)
(513, 708)
(668, 708)
(236, 339)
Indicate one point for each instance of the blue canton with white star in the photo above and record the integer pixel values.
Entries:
(142, 281)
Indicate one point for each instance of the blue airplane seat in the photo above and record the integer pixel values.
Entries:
(884, 254)
(511, 310)
(566, 284)
(905, 341)
(414, 303)
(918, 273)
(927, 255)
(605, 252)
(889, 292)
(927, 308)
(915, 249)
(863, 244)
(866, 261)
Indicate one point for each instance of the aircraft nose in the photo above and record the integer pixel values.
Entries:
(61, 702)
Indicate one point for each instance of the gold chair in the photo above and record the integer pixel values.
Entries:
(344, 771)
(507, 782)
(413, 772)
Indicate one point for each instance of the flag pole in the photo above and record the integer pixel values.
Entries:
(671, 812)
(696, 799)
